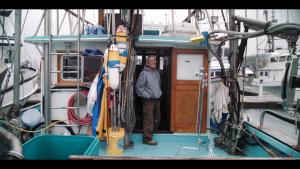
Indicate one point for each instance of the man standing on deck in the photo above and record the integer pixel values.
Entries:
(148, 87)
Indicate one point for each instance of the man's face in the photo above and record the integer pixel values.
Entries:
(151, 62)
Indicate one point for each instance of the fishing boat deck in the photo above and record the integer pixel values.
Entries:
(170, 146)
(174, 146)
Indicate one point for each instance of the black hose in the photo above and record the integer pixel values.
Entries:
(11, 147)
(239, 99)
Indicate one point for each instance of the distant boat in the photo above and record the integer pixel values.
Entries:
(270, 70)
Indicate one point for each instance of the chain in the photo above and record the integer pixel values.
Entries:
(5, 88)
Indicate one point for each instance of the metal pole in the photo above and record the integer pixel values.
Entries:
(266, 14)
(83, 16)
(287, 16)
(57, 21)
(18, 18)
(47, 95)
(189, 16)
(78, 68)
(173, 22)
(113, 24)
(273, 20)
(233, 43)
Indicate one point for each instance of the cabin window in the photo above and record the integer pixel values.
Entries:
(261, 74)
(188, 65)
(218, 74)
(69, 67)
(211, 74)
(139, 60)
(226, 52)
(91, 66)
(7, 56)
(282, 59)
(161, 63)
(273, 60)
(266, 73)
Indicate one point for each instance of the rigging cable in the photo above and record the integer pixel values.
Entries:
(226, 25)
(3, 18)
(24, 21)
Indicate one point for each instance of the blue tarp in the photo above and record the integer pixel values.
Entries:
(92, 52)
(95, 30)
(97, 105)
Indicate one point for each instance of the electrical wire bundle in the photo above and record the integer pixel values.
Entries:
(72, 117)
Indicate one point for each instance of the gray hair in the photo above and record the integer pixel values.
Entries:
(150, 56)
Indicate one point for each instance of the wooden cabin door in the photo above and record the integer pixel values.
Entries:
(185, 89)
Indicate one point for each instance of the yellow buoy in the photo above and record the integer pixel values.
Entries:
(115, 141)
(197, 39)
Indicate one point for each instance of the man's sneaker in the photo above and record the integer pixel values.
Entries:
(152, 142)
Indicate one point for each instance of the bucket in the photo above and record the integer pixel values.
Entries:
(31, 117)
(115, 141)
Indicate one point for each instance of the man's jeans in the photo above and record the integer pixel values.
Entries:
(151, 113)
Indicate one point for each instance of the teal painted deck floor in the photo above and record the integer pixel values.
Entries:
(172, 145)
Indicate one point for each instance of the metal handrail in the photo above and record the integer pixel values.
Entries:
(279, 116)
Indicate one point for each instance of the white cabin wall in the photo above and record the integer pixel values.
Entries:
(60, 99)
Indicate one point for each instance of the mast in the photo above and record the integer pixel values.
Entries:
(101, 17)
(46, 69)
(273, 21)
(270, 38)
(18, 18)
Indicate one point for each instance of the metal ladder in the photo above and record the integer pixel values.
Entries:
(47, 72)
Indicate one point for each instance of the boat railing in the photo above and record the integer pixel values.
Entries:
(290, 120)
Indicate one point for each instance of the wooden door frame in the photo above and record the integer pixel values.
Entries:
(175, 82)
